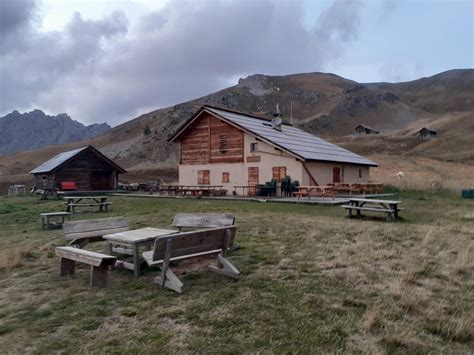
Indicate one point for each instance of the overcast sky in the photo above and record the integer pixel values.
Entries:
(109, 61)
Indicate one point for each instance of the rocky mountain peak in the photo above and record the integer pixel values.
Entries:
(35, 129)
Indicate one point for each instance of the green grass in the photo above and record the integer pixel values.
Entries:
(312, 281)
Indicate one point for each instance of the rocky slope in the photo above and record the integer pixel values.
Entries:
(324, 104)
(35, 129)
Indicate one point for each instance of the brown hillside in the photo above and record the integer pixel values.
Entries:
(324, 104)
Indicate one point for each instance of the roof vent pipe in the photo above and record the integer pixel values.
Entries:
(276, 120)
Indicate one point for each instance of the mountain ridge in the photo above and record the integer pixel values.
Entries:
(35, 129)
(323, 104)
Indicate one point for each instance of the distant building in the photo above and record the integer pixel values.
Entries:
(426, 133)
(228, 148)
(361, 129)
(88, 168)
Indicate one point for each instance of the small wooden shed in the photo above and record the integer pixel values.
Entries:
(426, 133)
(361, 129)
(88, 168)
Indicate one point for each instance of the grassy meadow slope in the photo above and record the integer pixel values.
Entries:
(324, 104)
(363, 286)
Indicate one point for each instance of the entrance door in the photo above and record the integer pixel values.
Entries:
(336, 175)
(253, 181)
(101, 180)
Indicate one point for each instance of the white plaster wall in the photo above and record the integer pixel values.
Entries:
(269, 158)
(238, 172)
(322, 172)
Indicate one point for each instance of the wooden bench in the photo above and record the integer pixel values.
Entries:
(99, 263)
(202, 220)
(92, 230)
(383, 206)
(103, 206)
(317, 191)
(47, 216)
(191, 244)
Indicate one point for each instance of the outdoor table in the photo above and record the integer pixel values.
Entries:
(324, 190)
(198, 190)
(243, 187)
(74, 201)
(47, 216)
(365, 204)
(129, 242)
(169, 189)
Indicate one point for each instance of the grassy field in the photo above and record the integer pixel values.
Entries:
(313, 281)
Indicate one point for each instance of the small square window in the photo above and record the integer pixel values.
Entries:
(254, 147)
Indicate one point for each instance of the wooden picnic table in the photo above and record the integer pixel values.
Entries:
(252, 189)
(198, 190)
(323, 191)
(372, 188)
(47, 216)
(129, 243)
(91, 201)
(365, 204)
(169, 189)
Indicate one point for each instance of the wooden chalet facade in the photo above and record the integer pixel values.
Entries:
(88, 168)
(226, 148)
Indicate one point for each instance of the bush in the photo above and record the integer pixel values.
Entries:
(147, 131)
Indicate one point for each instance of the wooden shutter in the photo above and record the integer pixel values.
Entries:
(278, 173)
(203, 177)
(225, 177)
(253, 180)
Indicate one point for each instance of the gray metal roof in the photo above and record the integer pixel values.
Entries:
(56, 161)
(292, 139)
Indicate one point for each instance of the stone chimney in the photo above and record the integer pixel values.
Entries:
(276, 120)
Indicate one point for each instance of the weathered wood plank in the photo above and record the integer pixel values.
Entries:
(203, 220)
(75, 230)
(85, 256)
(98, 276)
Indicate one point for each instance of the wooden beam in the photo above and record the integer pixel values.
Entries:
(209, 138)
(312, 179)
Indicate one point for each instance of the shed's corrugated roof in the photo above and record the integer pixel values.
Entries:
(56, 161)
(292, 139)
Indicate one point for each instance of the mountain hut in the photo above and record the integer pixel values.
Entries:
(226, 148)
(361, 129)
(426, 133)
(86, 167)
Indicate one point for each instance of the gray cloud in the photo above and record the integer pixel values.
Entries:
(109, 71)
(15, 14)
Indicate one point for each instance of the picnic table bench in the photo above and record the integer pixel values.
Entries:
(129, 243)
(89, 201)
(308, 191)
(47, 216)
(79, 233)
(99, 263)
(185, 245)
(251, 190)
(201, 190)
(202, 220)
(364, 204)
